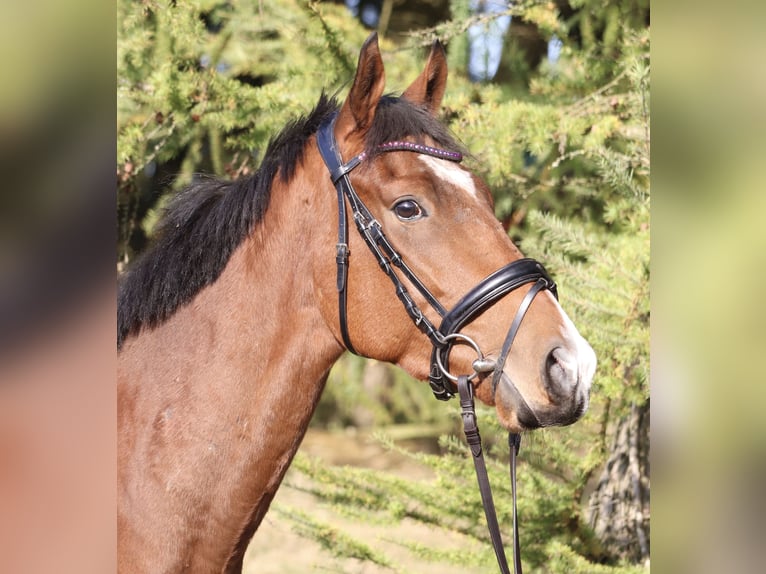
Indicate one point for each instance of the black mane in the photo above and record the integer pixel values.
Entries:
(205, 223)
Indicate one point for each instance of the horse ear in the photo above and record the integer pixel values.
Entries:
(428, 89)
(359, 108)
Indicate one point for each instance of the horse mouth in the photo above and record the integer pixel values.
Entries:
(511, 403)
(508, 398)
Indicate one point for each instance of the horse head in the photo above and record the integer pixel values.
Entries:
(438, 217)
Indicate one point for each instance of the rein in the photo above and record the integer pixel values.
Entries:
(487, 292)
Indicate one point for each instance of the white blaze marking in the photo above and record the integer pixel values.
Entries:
(450, 172)
(584, 356)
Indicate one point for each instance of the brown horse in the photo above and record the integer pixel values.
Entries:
(228, 326)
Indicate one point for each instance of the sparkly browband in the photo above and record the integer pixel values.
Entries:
(420, 148)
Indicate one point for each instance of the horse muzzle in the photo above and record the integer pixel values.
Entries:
(566, 375)
(566, 370)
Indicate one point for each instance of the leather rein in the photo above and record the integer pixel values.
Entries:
(443, 383)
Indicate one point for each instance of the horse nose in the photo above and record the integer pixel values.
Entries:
(568, 373)
(561, 372)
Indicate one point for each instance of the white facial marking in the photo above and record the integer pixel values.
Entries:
(585, 357)
(450, 172)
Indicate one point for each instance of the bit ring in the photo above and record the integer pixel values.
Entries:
(465, 339)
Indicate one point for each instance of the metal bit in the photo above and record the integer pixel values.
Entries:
(484, 365)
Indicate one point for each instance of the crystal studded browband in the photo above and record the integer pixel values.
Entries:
(419, 148)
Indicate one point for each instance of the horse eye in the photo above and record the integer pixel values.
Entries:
(408, 210)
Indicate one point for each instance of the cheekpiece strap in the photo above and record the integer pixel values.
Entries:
(371, 230)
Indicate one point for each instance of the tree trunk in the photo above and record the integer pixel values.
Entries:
(619, 507)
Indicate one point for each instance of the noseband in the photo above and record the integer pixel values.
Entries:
(487, 292)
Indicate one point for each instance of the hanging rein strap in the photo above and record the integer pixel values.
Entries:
(468, 413)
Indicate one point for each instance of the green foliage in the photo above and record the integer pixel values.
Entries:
(180, 80)
(332, 539)
(565, 559)
(553, 536)
(603, 262)
(394, 398)
(203, 85)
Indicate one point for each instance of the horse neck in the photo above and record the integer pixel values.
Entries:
(260, 320)
(229, 383)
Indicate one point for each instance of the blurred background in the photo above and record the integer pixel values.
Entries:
(553, 100)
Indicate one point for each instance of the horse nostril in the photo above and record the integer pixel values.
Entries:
(560, 371)
(566, 373)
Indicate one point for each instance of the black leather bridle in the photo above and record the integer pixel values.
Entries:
(487, 292)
